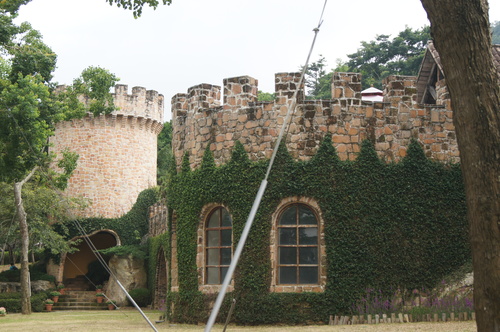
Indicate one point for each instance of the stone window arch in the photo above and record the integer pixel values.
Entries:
(215, 247)
(298, 252)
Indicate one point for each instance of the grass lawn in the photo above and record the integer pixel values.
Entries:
(131, 320)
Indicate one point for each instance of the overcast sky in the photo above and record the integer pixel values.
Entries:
(204, 41)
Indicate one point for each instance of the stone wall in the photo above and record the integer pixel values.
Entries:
(117, 152)
(199, 119)
(158, 219)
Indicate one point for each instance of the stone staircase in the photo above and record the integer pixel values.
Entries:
(79, 300)
(79, 283)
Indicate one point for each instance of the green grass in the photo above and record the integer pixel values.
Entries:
(131, 320)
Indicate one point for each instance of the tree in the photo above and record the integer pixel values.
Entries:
(265, 96)
(461, 34)
(29, 110)
(165, 157)
(317, 80)
(382, 57)
(12, 6)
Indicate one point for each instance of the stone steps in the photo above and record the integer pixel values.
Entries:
(79, 300)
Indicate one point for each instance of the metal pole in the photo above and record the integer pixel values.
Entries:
(135, 305)
(236, 257)
(229, 314)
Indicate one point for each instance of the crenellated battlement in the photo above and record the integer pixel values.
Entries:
(141, 103)
(200, 120)
(117, 151)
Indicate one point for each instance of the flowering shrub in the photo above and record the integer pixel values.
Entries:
(3, 311)
(418, 303)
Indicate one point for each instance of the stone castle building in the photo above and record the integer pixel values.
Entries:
(117, 160)
(410, 108)
(117, 152)
(199, 119)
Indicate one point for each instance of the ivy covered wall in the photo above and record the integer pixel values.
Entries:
(387, 226)
(130, 227)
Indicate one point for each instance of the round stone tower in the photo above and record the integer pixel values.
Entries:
(117, 152)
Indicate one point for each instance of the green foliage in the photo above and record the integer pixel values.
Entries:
(141, 296)
(43, 205)
(386, 226)
(35, 274)
(131, 227)
(136, 5)
(266, 96)
(31, 56)
(136, 251)
(317, 80)
(12, 6)
(379, 58)
(26, 125)
(12, 302)
(165, 161)
(155, 244)
(95, 83)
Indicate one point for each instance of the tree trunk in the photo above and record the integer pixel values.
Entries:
(461, 33)
(23, 229)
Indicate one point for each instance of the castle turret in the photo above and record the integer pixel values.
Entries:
(117, 152)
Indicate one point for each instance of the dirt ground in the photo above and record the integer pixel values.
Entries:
(125, 320)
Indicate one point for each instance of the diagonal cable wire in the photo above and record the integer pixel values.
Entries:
(262, 189)
(89, 242)
(88, 279)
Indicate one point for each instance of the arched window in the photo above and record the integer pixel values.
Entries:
(218, 245)
(298, 261)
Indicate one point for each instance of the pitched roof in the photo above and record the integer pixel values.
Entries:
(432, 69)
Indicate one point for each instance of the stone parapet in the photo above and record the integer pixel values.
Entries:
(117, 152)
(141, 103)
(389, 125)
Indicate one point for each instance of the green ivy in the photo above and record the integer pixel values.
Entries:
(130, 227)
(387, 226)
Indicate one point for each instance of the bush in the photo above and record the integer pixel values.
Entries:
(11, 301)
(10, 276)
(141, 296)
(35, 274)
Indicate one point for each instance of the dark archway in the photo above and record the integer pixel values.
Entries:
(160, 294)
(82, 265)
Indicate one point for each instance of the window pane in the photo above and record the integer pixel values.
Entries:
(288, 275)
(288, 236)
(289, 216)
(225, 256)
(213, 238)
(308, 255)
(214, 219)
(226, 219)
(213, 257)
(306, 216)
(213, 275)
(308, 275)
(308, 235)
(225, 237)
(288, 255)
(223, 272)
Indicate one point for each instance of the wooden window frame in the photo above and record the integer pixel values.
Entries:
(297, 245)
(219, 247)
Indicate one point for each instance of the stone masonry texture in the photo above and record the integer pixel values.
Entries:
(117, 152)
(199, 119)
